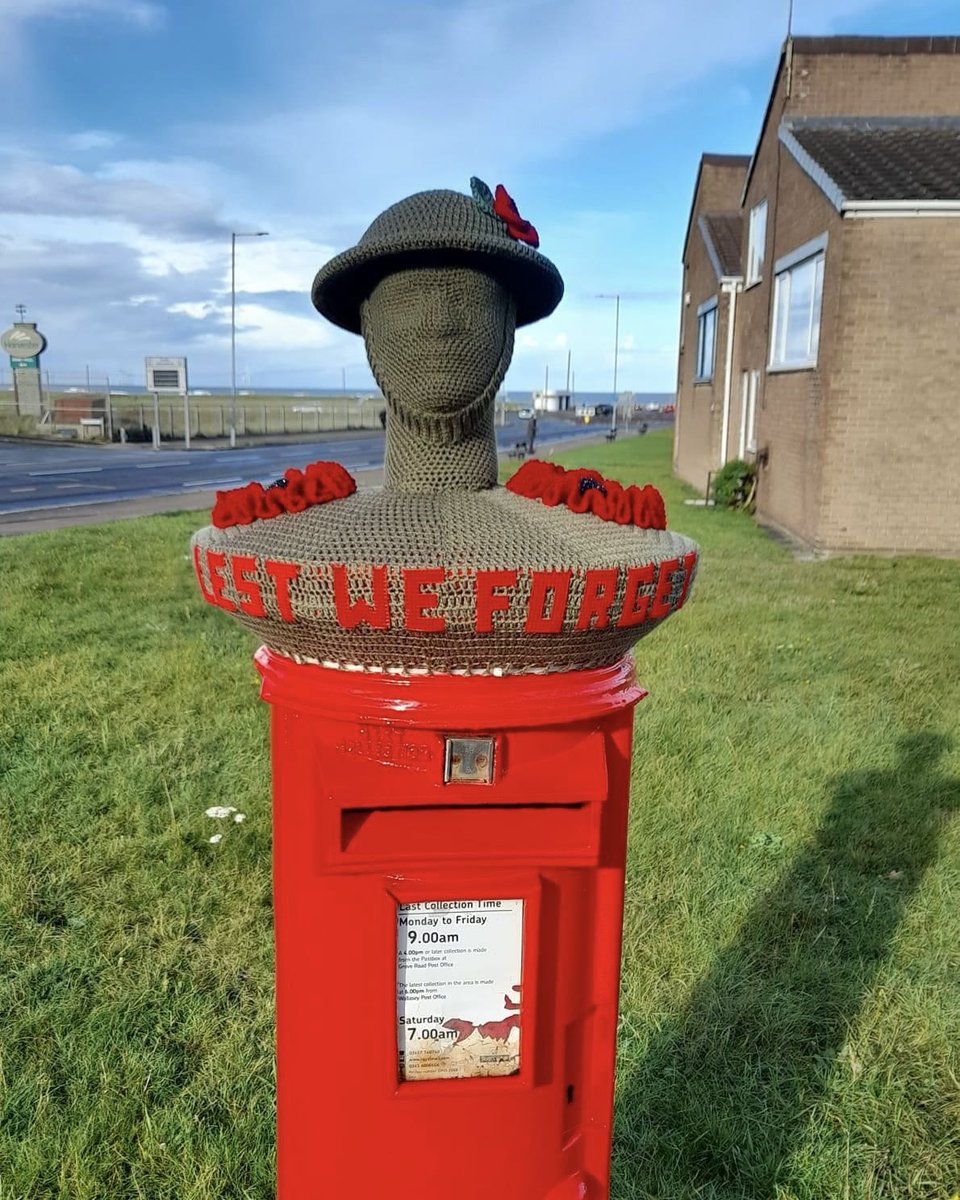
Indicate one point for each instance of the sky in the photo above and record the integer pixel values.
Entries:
(137, 135)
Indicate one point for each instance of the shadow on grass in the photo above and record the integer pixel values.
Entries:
(720, 1099)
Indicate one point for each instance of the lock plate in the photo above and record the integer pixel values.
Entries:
(468, 760)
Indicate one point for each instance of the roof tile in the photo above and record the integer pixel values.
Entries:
(725, 231)
(877, 160)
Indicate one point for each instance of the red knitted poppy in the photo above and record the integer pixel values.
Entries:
(295, 491)
(587, 491)
(519, 229)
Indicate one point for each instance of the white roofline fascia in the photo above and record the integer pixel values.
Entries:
(711, 249)
(900, 208)
(811, 167)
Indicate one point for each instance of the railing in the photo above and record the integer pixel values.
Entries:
(77, 413)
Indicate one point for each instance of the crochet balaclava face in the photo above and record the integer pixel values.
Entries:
(439, 339)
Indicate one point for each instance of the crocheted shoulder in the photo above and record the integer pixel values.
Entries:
(449, 582)
(488, 529)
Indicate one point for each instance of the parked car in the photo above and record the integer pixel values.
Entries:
(604, 410)
(525, 414)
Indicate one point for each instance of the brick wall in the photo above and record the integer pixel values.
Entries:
(791, 403)
(892, 452)
(695, 432)
(874, 85)
(696, 450)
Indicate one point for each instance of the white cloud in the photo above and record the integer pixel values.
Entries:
(198, 309)
(137, 12)
(362, 106)
(274, 264)
(45, 189)
(434, 95)
(92, 139)
(266, 329)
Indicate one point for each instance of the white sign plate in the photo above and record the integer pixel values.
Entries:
(458, 988)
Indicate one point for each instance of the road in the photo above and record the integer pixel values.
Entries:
(65, 475)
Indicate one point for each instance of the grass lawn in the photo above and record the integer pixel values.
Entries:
(791, 999)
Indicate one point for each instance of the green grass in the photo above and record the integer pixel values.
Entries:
(790, 1022)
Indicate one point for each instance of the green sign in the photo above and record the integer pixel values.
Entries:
(26, 362)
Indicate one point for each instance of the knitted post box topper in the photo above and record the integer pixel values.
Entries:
(441, 570)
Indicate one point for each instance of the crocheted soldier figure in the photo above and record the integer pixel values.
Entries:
(442, 570)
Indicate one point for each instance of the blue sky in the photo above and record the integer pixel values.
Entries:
(135, 135)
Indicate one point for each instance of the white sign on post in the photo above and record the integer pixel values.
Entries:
(458, 988)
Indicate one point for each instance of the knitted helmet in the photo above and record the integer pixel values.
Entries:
(435, 227)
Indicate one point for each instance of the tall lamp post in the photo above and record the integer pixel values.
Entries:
(233, 329)
(616, 355)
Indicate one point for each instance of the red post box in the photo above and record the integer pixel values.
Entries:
(448, 898)
(448, 667)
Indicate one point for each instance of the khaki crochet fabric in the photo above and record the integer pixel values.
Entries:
(441, 570)
(461, 322)
(451, 228)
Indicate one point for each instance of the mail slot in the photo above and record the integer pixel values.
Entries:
(448, 952)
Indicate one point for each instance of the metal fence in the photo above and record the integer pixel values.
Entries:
(98, 413)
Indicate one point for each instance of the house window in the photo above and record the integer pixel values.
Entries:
(797, 297)
(706, 339)
(748, 412)
(756, 241)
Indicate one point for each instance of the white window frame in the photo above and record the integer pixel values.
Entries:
(812, 253)
(749, 394)
(756, 243)
(702, 375)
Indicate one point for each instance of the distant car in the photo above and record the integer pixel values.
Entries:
(604, 410)
(525, 414)
(669, 408)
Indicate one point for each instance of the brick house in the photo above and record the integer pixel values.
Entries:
(821, 300)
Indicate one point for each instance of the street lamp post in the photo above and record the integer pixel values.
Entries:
(616, 355)
(233, 329)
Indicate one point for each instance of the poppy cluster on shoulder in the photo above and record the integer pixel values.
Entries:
(587, 491)
(293, 492)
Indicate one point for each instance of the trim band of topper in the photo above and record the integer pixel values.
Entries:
(587, 491)
(380, 596)
(294, 491)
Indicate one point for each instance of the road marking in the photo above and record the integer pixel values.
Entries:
(209, 483)
(23, 489)
(74, 471)
(152, 466)
(92, 488)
